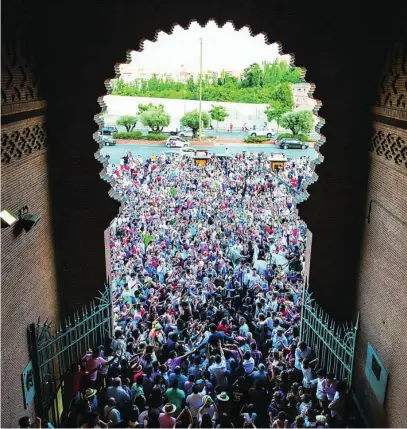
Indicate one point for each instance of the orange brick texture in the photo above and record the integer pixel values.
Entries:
(382, 291)
(29, 287)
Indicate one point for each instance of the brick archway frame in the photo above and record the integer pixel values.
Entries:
(343, 53)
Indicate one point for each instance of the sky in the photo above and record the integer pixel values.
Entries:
(223, 48)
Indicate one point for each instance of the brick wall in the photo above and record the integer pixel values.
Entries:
(382, 296)
(29, 287)
(382, 284)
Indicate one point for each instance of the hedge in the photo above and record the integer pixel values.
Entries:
(138, 135)
(155, 137)
(301, 137)
(131, 135)
(256, 139)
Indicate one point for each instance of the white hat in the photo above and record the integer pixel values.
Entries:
(89, 393)
(223, 397)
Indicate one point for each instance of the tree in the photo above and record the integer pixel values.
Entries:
(191, 120)
(252, 76)
(275, 111)
(258, 81)
(144, 107)
(282, 101)
(283, 94)
(127, 121)
(155, 118)
(218, 114)
(298, 122)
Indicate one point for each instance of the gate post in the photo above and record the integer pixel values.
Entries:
(38, 400)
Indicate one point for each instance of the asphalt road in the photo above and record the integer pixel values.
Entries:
(116, 152)
(236, 134)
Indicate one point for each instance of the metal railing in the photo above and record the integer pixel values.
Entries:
(334, 344)
(53, 355)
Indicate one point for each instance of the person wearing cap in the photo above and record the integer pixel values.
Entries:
(166, 418)
(208, 407)
(223, 403)
(90, 396)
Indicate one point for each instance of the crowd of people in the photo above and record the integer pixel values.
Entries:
(207, 277)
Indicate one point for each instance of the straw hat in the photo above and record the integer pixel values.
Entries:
(207, 400)
(169, 408)
(89, 393)
(223, 397)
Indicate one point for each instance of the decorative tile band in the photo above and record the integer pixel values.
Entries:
(23, 138)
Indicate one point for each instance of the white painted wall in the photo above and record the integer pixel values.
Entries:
(239, 113)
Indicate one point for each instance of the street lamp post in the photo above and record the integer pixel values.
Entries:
(200, 90)
(183, 77)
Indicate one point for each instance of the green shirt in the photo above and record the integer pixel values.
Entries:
(175, 396)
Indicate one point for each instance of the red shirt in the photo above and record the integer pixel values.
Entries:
(222, 328)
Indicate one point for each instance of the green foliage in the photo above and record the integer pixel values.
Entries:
(155, 137)
(154, 117)
(301, 137)
(138, 135)
(283, 94)
(256, 85)
(129, 135)
(282, 101)
(145, 107)
(256, 139)
(191, 120)
(127, 121)
(218, 114)
(298, 122)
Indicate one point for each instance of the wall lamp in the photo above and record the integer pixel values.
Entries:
(24, 219)
(27, 220)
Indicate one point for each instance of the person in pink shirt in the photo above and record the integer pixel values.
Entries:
(93, 363)
(165, 418)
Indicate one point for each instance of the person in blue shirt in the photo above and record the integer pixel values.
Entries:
(177, 375)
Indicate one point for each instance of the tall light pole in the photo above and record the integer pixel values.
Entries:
(183, 77)
(200, 90)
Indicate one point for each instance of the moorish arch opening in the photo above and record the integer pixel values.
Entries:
(207, 257)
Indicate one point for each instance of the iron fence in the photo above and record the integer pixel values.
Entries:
(333, 344)
(53, 355)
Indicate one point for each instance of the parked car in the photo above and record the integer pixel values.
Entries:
(177, 141)
(289, 143)
(109, 142)
(265, 132)
(188, 133)
(108, 131)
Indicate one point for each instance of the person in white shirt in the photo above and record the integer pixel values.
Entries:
(307, 376)
(248, 363)
(218, 369)
(330, 386)
(195, 400)
(243, 328)
(320, 382)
